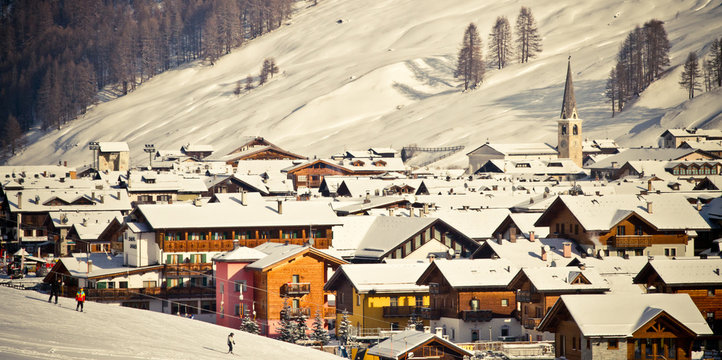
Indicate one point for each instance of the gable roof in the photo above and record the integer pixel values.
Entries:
(467, 273)
(381, 278)
(240, 254)
(284, 252)
(406, 341)
(641, 154)
(621, 315)
(108, 146)
(520, 148)
(562, 279)
(683, 272)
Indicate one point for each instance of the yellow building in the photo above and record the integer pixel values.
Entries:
(379, 297)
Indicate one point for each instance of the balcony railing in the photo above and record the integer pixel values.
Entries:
(632, 241)
(429, 313)
(227, 244)
(329, 312)
(296, 289)
(531, 323)
(142, 293)
(297, 312)
(475, 315)
(188, 268)
(401, 311)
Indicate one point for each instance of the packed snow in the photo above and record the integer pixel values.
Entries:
(32, 328)
(384, 77)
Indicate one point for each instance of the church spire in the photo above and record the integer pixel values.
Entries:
(569, 104)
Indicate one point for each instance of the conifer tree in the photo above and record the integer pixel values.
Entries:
(249, 325)
(301, 327)
(500, 42)
(715, 61)
(287, 327)
(237, 90)
(344, 328)
(470, 66)
(13, 137)
(249, 82)
(691, 74)
(611, 90)
(318, 333)
(527, 35)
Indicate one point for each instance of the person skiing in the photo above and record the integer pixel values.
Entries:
(54, 290)
(231, 342)
(80, 298)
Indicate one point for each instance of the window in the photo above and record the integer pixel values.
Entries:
(637, 230)
(101, 285)
(296, 304)
(295, 278)
(407, 248)
(358, 300)
(562, 226)
(221, 288)
(504, 302)
(149, 284)
(589, 344)
(621, 230)
(575, 130)
(419, 300)
(240, 286)
(122, 284)
(301, 178)
(417, 241)
(710, 292)
(237, 310)
(576, 229)
(670, 252)
(574, 343)
(208, 306)
(394, 301)
(164, 198)
(612, 344)
(564, 129)
(557, 228)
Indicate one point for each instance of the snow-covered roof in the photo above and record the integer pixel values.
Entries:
(107, 146)
(536, 166)
(640, 154)
(196, 148)
(387, 232)
(562, 279)
(279, 252)
(477, 273)
(527, 254)
(231, 213)
(521, 148)
(474, 224)
(240, 254)
(621, 315)
(709, 145)
(685, 271)
(66, 219)
(102, 265)
(34, 200)
(392, 277)
(406, 341)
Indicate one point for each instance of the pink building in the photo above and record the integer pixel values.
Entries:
(234, 286)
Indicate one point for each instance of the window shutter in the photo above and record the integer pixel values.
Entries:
(169, 259)
(205, 280)
(179, 258)
(203, 258)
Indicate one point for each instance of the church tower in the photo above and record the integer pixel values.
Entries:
(569, 131)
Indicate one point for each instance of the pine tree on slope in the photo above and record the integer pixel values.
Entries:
(691, 74)
(470, 63)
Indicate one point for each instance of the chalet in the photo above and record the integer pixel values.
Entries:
(237, 183)
(520, 225)
(258, 148)
(522, 151)
(699, 278)
(92, 233)
(235, 286)
(311, 174)
(413, 344)
(197, 151)
(694, 168)
(537, 289)
(673, 138)
(559, 169)
(150, 187)
(470, 299)
(609, 167)
(363, 207)
(626, 224)
(365, 239)
(376, 295)
(624, 326)
(294, 275)
(713, 147)
(113, 156)
(599, 147)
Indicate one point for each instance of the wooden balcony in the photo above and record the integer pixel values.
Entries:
(430, 314)
(188, 268)
(524, 296)
(632, 241)
(475, 315)
(329, 312)
(143, 293)
(531, 323)
(296, 289)
(401, 311)
(297, 312)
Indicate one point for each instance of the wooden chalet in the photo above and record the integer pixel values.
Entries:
(294, 275)
(469, 297)
(258, 148)
(624, 326)
(537, 289)
(413, 344)
(626, 224)
(699, 278)
(312, 173)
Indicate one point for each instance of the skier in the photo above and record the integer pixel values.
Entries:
(231, 342)
(80, 298)
(54, 290)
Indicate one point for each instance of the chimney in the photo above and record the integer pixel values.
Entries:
(531, 236)
(243, 198)
(567, 253)
(280, 207)
(391, 211)
(544, 254)
(65, 163)
(92, 195)
(512, 234)
(582, 266)
(411, 211)
(101, 198)
(367, 199)
(20, 200)
(117, 195)
(498, 238)
(426, 209)
(90, 263)
(649, 207)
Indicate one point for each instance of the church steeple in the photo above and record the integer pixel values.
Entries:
(569, 104)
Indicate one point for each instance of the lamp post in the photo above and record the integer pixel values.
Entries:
(93, 145)
(150, 149)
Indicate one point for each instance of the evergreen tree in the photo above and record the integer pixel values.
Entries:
(470, 63)
(527, 35)
(500, 43)
(249, 83)
(691, 74)
(344, 328)
(716, 61)
(263, 76)
(318, 332)
(13, 138)
(287, 327)
(237, 90)
(611, 90)
(707, 71)
(249, 325)
(301, 327)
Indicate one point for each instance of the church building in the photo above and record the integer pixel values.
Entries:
(569, 130)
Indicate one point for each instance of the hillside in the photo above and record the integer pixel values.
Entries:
(31, 328)
(383, 76)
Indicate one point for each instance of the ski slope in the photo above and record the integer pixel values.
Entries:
(32, 328)
(383, 76)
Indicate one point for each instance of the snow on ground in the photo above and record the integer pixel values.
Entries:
(31, 328)
(384, 77)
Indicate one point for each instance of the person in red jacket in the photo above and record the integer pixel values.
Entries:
(80, 298)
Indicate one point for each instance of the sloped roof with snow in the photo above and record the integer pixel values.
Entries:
(641, 154)
(240, 254)
(386, 232)
(685, 271)
(474, 224)
(621, 315)
(521, 148)
(385, 277)
(406, 341)
(562, 278)
(477, 273)
(107, 146)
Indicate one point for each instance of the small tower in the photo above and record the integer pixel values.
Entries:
(569, 131)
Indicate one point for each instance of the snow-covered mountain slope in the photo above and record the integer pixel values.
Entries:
(383, 76)
(31, 328)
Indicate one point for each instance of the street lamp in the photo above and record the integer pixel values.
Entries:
(150, 149)
(95, 146)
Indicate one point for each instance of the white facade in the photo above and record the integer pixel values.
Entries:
(140, 248)
(460, 331)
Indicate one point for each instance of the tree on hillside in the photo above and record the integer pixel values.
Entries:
(715, 60)
(707, 71)
(528, 41)
(691, 74)
(611, 90)
(470, 66)
(237, 90)
(13, 137)
(318, 332)
(301, 327)
(249, 82)
(656, 49)
(500, 43)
